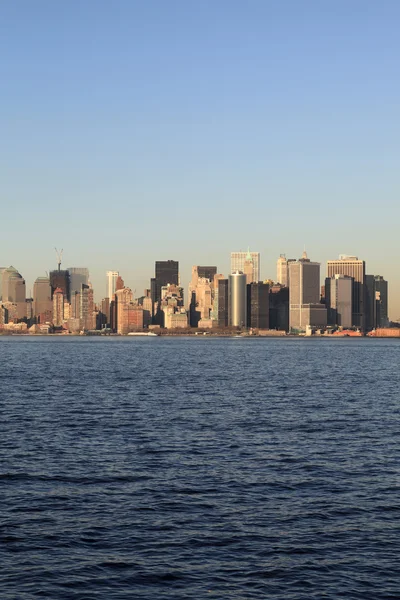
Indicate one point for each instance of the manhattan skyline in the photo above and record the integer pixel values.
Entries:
(158, 131)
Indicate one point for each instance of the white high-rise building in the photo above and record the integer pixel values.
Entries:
(240, 262)
(282, 270)
(112, 277)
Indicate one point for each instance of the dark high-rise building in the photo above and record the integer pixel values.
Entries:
(381, 298)
(352, 267)
(258, 305)
(376, 301)
(167, 271)
(60, 279)
(207, 272)
(77, 277)
(369, 302)
(223, 302)
(42, 304)
(279, 308)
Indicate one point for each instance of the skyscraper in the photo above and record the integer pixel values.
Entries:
(60, 279)
(77, 277)
(258, 305)
(238, 260)
(282, 270)
(338, 294)
(42, 305)
(223, 303)
(86, 308)
(58, 307)
(237, 299)
(201, 294)
(111, 284)
(355, 268)
(304, 295)
(376, 302)
(14, 291)
(166, 271)
(381, 298)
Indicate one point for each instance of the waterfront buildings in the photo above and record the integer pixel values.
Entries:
(351, 266)
(237, 303)
(305, 309)
(247, 263)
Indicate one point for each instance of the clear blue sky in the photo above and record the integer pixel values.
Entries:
(141, 131)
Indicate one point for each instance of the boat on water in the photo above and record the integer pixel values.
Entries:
(144, 333)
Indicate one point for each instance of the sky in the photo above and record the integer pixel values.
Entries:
(135, 131)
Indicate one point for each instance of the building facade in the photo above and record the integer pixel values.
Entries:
(111, 284)
(42, 304)
(304, 295)
(351, 266)
(237, 299)
(338, 295)
(258, 305)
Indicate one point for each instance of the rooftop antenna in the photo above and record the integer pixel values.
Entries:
(59, 254)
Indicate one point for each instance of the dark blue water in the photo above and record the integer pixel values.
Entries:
(199, 468)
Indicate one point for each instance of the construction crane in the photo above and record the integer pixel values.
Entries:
(59, 257)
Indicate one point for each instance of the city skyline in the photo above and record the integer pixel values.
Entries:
(98, 277)
(275, 125)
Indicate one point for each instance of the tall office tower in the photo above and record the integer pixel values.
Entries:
(58, 307)
(112, 277)
(14, 291)
(237, 299)
(338, 296)
(42, 304)
(105, 313)
(279, 307)
(214, 310)
(201, 294)
(282, 270)
(238, 260)
(77, 277)
(352, 267)
(305, 308)
(258, 305)
(60, 279)
(223, 302)
(166, 271)
(123, 298)
(376, 302)
(86, 308)
(75, 305)
(381, 297)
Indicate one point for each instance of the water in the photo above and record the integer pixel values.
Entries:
(199, 468)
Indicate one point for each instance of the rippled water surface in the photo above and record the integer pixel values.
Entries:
(199, 468)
